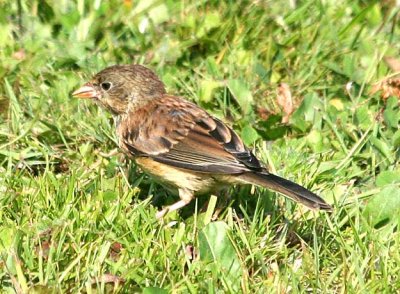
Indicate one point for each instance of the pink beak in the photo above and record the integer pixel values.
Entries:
(86, 91)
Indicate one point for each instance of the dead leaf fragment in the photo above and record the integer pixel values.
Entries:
(263, 113)
(43, 249)
(191, 252)
(19, 55)
(115, 251)
(393, 63)
(285, 100)
(388, 87)
(128, 3)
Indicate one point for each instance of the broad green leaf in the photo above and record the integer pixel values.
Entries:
(211, 20)
(374, 15)
(216, 248)
(364, 117)
(384, 207)
(154, 290)
(388, 177)
(159, 14)
(392, 117)
(272, 129)
(110, 195)
(306, 112)
(249, 135)
(213, 68)
(392, 113)
(315, 141)
(207, 88)
(6, 238)
(241, 93)
(382, 147)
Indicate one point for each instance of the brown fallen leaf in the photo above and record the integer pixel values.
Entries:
(191, 252)
(43, 249)
(388, 87)
(19, 55)
(115, 251)
(262, 112)
(285, 100)
(393, 63)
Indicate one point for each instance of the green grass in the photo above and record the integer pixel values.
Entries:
(73, 219)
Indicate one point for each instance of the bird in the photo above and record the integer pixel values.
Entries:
(178, 143)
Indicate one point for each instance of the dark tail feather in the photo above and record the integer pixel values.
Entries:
(288, 188)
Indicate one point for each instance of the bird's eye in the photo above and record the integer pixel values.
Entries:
(106, 86)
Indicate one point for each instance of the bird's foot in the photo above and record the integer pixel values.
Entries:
(173, 207)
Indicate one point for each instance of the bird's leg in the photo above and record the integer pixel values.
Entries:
(175, 206)
(185, 195)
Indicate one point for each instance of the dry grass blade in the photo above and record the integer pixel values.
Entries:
(285, 100)
(109, 278)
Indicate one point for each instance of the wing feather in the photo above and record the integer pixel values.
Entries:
(177, 132)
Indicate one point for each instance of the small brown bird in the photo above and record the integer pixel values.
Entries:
(177, 142)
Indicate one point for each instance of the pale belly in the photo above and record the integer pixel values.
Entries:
(176, 178)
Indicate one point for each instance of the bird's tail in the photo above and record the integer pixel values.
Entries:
(286, 187)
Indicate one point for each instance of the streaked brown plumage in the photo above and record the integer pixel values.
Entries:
(177, 142)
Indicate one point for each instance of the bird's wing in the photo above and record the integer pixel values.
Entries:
(179, 133)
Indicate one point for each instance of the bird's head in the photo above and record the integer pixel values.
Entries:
(121, 88)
